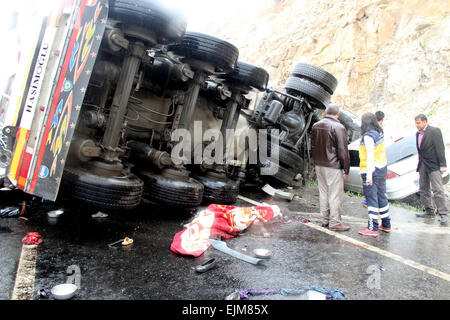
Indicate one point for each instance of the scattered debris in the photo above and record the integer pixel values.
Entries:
(127, 241)
(113, 245)
(9, 212)
(43, 293)
(124, 242)
(222, 246)
(221, 222)
(99, 215)
(206, 266)
(262, 253)
(233, 296)
(278, 193)
(55, 213)
(64, 291)
(266, 235)
(304, 293)
(32, 238)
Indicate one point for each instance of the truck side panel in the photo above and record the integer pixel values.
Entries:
(66, 102)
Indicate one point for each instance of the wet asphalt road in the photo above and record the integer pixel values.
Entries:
(301, 255)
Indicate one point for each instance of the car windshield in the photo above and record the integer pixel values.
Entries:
(398, 150)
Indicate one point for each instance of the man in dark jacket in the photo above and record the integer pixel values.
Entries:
(332, 163)
(431, 166)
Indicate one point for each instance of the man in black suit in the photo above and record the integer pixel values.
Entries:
(431, 166)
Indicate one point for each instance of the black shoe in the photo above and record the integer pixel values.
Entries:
(444, 219)
(425, 214)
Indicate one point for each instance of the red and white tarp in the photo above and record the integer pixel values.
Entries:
(218, 221)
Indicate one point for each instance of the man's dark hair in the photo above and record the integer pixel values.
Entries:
(369, 122)
(421, 117)
(332, 109)
(379, 115)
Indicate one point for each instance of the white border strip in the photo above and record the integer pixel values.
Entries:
(24, 284)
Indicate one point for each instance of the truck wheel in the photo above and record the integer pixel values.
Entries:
(167, 24)
(178, 190)
(351, 123)
(218, 190)
(116, 192)
(310, 89)
(287, 157)
(220, 54)
(315, 74)
(248, 75)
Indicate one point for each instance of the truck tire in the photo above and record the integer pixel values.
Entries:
(202, 47)
(316, 75)
(287, 157)
(219, 191)
(116, 193)
(350, 123)
(172, 191)
(167, 24)
(248, 75)
(309, 89)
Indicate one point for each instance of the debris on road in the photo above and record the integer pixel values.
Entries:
(113, 245)
(99, 215)
(55, 213)
(124, 242)
(222, 246)
(304, 293)
(32, 238)
(278, 193)
(44, 294)
(127, 241)
(208, 265)
(262, 253)
(64, 291)
(9, 212)
(219, 221)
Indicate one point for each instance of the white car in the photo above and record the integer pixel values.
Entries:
(402, 179)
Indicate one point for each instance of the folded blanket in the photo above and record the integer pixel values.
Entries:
(219, 222)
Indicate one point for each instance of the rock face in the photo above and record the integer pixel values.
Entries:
(390, 55)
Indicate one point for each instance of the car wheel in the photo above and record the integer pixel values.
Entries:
(122, 192)
(248, 75)
(310, 89)
(218, 190)
(202, 47)
(167, 24)
(172, 189)
(316, 75)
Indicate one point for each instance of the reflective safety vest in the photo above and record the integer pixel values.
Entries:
(380, 160)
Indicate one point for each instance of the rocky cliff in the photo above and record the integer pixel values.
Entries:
(390, 55)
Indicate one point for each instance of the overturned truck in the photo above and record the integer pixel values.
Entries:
(116, 87)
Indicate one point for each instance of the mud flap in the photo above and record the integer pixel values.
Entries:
(39, 168)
